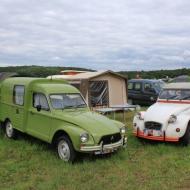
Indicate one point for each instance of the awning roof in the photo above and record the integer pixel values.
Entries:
(86, 75)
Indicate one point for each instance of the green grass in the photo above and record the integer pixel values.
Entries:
(29, 164)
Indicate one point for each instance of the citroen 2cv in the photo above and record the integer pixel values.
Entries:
(169, 118)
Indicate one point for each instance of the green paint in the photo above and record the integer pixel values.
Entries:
(44, 124)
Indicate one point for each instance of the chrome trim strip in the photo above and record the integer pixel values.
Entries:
(103, 147)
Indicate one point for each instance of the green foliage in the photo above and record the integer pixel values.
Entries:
(156, 74)
(36, 71)
(30, 164)
(39, 71)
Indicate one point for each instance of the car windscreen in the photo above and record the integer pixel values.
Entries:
(158, 85)
(66, 101)
(175, 94)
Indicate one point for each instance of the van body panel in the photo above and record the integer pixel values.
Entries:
(144, 91)
(39, 124)
(18, 98)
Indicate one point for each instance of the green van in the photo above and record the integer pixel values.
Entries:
(55, 112)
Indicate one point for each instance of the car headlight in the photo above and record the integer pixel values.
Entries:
(140, 116)
(172, 119)
(123, 130)
(84, 137)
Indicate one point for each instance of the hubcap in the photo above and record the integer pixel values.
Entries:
(63, 150)
(9, 130)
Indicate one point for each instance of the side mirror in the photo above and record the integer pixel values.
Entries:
(38, 107)
(152, 90)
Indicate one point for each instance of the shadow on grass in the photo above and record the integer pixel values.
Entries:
(81, 157)
(134, 145)
(157, 143)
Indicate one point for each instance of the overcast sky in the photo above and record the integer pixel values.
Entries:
(96, 34)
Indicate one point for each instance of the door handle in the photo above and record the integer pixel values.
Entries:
(17, 111)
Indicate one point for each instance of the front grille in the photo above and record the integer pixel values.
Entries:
(153, 125)
(108, 139)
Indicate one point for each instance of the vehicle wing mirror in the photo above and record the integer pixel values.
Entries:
(38, 107)
(152, 90)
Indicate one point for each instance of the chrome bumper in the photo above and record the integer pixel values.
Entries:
(103, 149)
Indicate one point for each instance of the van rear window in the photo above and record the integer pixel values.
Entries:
(130, 86)
(18, 95)
(137, 86)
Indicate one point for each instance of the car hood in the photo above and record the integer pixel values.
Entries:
(160, 112)
(94, 123)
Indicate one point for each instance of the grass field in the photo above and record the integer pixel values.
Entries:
(28, 164)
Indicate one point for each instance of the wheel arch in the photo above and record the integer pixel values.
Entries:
(58, 134)
(5, 121)
(187, 125)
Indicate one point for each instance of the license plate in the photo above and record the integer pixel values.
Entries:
(151, 132)
(106, 151)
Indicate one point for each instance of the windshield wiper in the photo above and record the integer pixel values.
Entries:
(67, 107)
(171, 97)
(185, 97)
(80, 105)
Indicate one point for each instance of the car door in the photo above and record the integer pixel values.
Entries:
(18, 108)
(137, 92)
(39, 120)
(149, 93)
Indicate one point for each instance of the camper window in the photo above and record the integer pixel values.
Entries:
(99, 93)
(18, 95)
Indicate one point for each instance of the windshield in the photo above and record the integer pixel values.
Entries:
(158, 85)
(66, 101)
(175, 94)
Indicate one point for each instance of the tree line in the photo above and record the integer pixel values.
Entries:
(40, 71)
(159, 74)
(37, 71)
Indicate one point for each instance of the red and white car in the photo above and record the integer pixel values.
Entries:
(169, 118)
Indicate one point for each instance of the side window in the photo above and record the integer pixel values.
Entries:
(40, 99)
(137, 86)
(147, 87)
(130, 86)
(18, 95)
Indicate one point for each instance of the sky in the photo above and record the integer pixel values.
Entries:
(108, 34)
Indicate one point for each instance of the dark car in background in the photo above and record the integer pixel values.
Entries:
(144, 91)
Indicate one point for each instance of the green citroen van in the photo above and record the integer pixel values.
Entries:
(55, 112)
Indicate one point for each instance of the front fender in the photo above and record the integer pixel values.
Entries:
(74, 132)
(181, 123)
(137, 122)
(118, 123)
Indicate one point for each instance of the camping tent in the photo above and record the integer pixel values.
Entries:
(100, 89)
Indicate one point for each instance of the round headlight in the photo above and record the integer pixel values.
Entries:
(123, 130)
(172, 119)
(140, 116)
(84, 137)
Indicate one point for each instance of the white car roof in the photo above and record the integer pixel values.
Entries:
(179, 85)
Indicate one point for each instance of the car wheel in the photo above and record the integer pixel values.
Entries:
(10, 132)
(186, 138)
(65, 149)
(130, 101)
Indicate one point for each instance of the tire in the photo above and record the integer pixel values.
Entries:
(65, 149)
(185, 140)
(10, 132)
